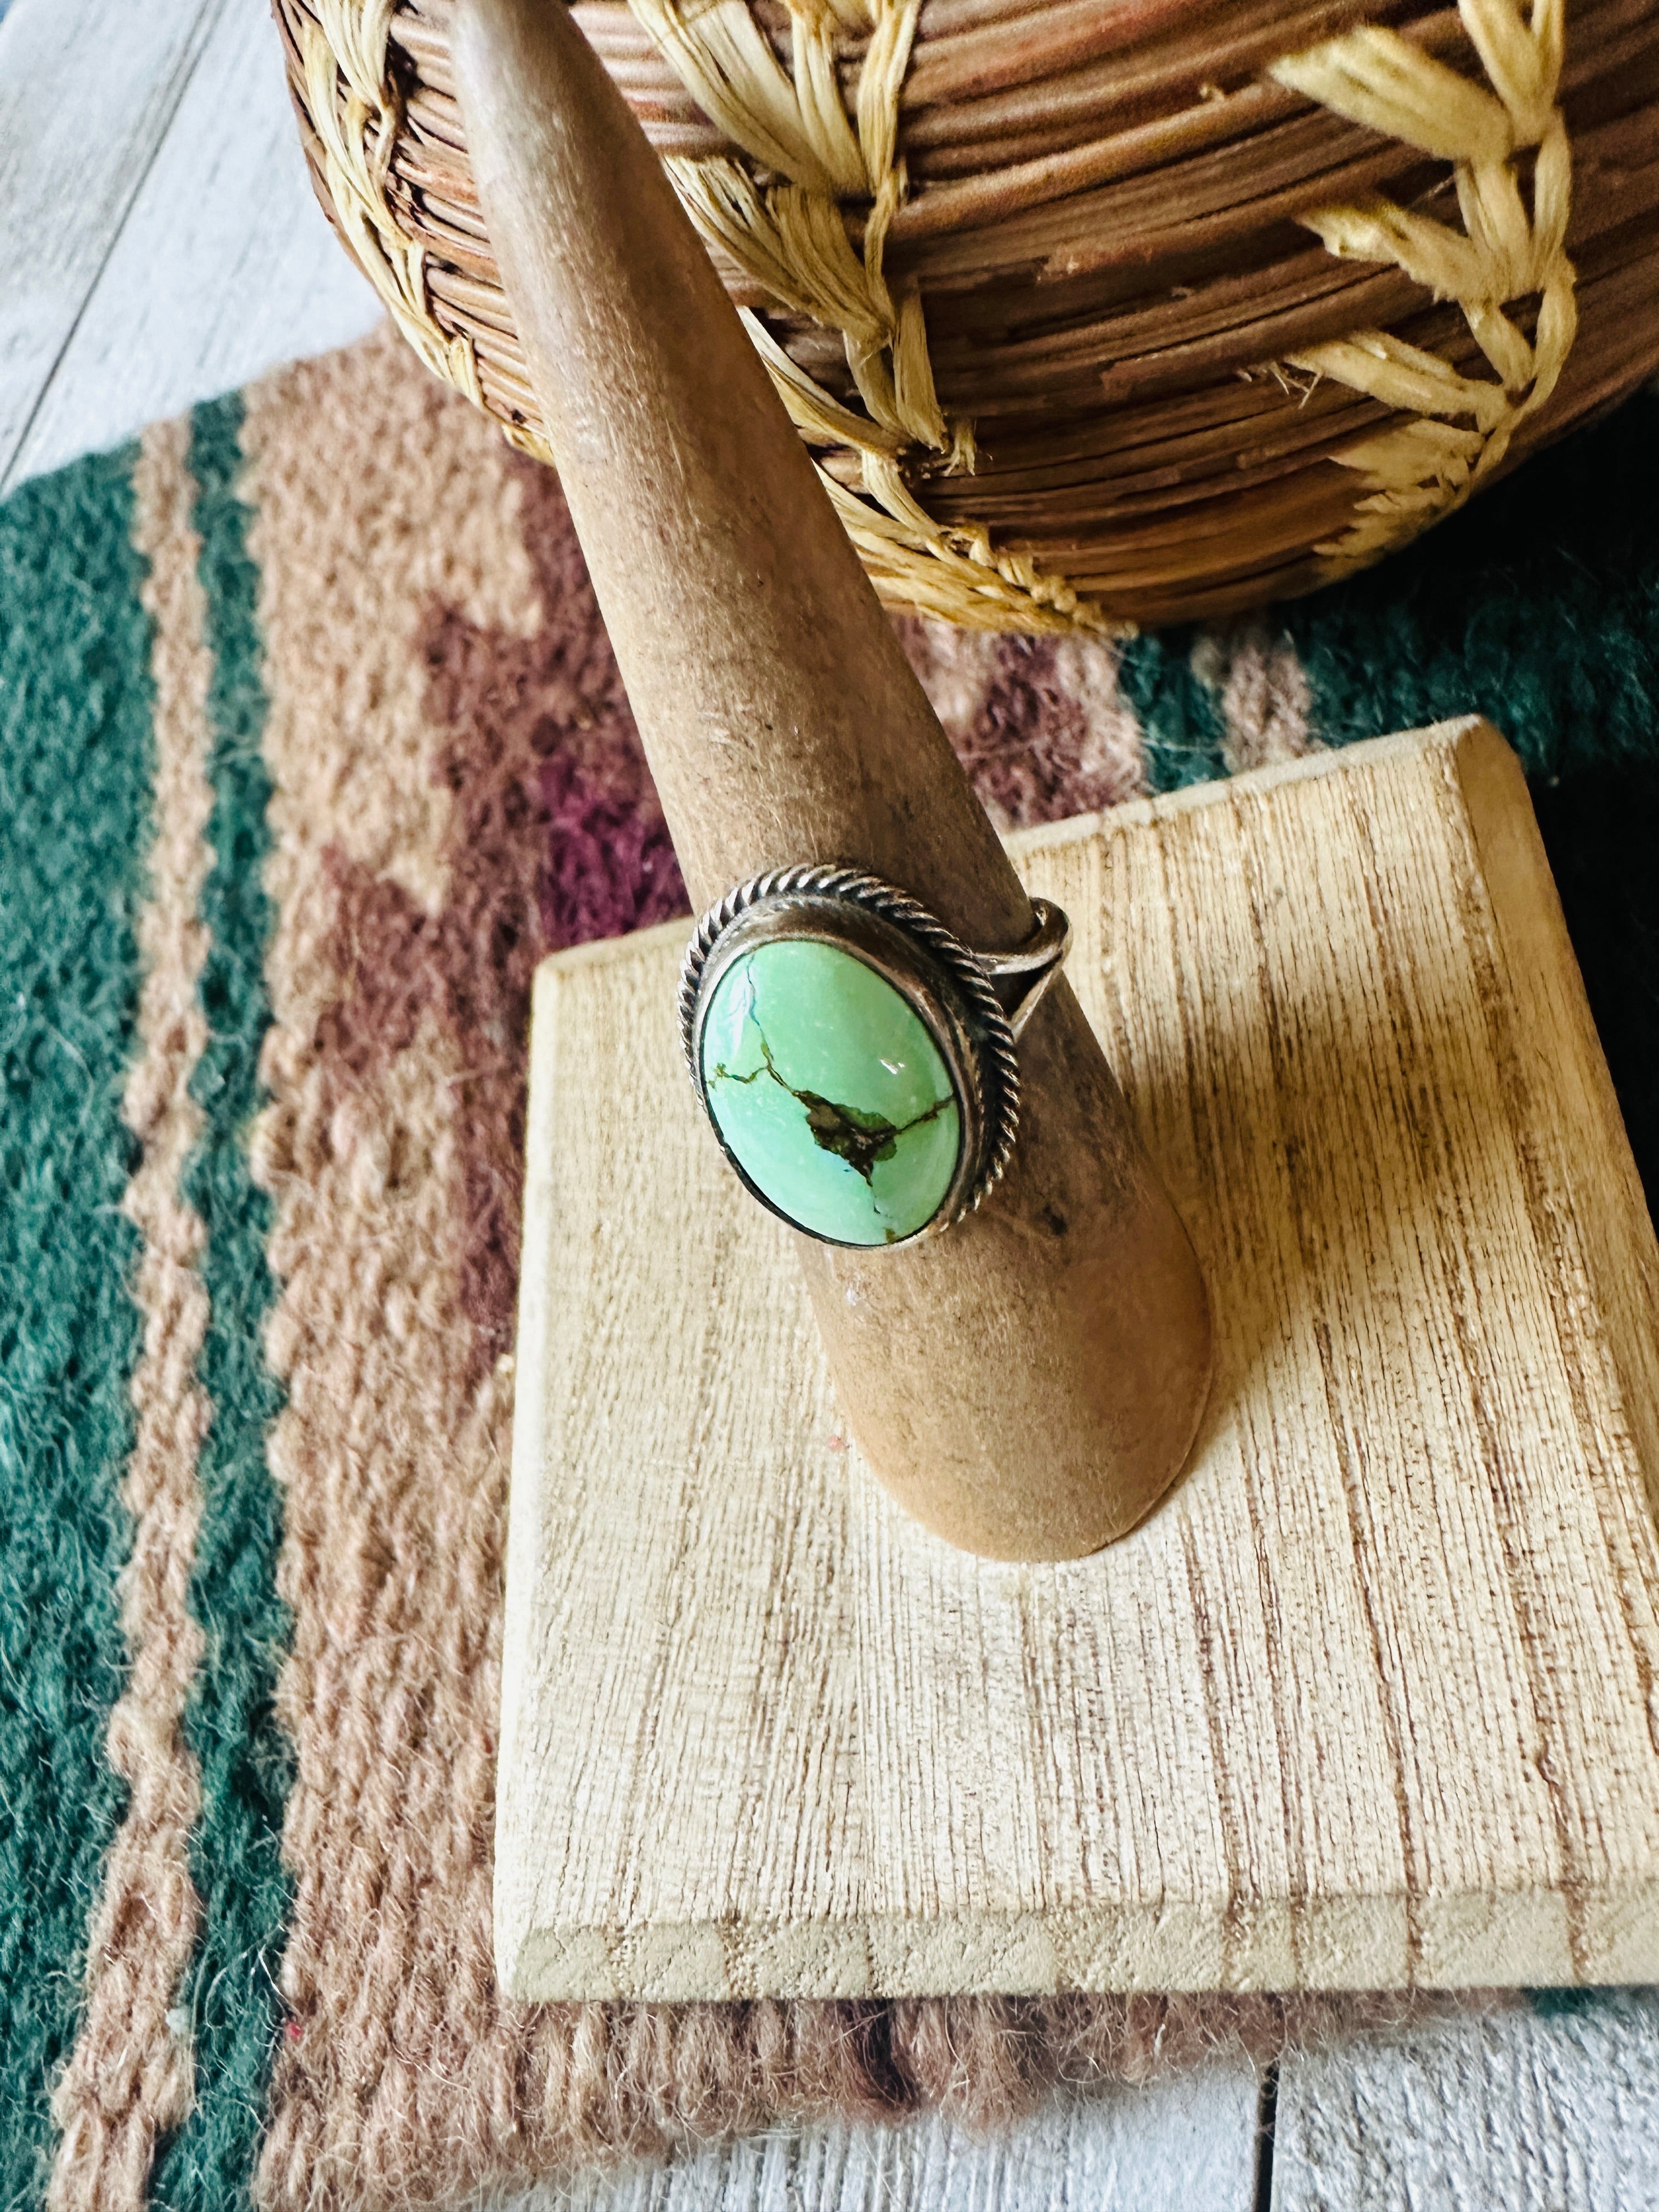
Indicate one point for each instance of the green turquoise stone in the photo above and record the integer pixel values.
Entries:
(829, 1092)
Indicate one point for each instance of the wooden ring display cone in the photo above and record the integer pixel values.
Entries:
(1029, 1383)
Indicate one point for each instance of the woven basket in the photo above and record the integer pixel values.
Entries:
(1096, 312)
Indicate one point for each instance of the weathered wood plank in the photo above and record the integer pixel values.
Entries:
(221, 264)
(1519, 2112)
(1183, 2144)
(1365, 1704)
(87, 92)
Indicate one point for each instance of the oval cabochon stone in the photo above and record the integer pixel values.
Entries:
(831, 1092)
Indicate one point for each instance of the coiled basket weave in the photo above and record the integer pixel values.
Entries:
(1096, 312)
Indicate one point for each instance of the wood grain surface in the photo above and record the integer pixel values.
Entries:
(1367, 1703)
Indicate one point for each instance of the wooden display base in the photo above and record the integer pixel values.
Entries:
(1371, 1700)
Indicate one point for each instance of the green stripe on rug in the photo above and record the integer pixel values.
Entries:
(1178, 712)
(207, 2166)
(1537, 605)
(74, 772)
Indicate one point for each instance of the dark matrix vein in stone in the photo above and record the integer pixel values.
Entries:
(861, 1139)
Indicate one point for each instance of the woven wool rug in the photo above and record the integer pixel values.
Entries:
(311, 747)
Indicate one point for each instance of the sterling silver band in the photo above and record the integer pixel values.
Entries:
(1037, 961)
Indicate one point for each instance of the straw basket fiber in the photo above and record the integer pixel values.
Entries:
(1096, 312)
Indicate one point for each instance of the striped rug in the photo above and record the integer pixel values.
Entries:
(311, 747)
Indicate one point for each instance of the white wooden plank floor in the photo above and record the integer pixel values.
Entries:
(77, 138)
(159, 244)
(1517, 2113)
(1181, 2145)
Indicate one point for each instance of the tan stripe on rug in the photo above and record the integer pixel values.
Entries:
(1261, 690)
(390, 1451)
(129, 2076)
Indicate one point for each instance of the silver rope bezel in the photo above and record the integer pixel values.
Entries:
(964, 977)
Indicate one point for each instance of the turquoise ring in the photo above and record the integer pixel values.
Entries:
(858, 1062)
